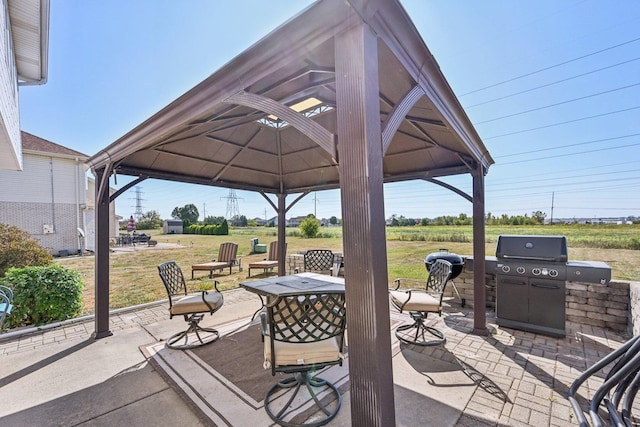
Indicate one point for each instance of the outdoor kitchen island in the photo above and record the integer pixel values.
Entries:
(535, 288)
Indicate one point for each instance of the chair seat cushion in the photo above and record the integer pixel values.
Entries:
(419, 301)
(215, 265)
(302, 353)
(193, 303)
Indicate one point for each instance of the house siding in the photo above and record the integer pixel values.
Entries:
(10, 142)
(32, 217)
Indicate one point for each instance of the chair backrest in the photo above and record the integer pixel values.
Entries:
(172, 277)
(273, 250)
(318, 260)
(306, 319)
(227, 252)
(439, 275)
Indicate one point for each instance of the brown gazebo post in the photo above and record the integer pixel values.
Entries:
(361, 187)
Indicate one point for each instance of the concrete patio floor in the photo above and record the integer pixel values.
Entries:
(62, 377)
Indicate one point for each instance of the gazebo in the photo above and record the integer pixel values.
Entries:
(345, 95)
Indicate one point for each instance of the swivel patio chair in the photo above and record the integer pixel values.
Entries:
(612, 403)
(303, 334)
(192, 306)
(318, 261)
(419, 303)
(6, 303)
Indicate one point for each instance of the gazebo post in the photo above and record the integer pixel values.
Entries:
(479, 279)
(282, 233)
(361, 188)
(102, 255)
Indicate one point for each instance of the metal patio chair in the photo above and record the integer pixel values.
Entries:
(6, 303)
(612, 402)
(192, 306)
(420, 302)
(318, 261)
(303, 334)
(227, 257)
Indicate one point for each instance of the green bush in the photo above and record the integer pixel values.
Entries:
(43, 294)
(208, 229)
(19, 249)
(310, 227)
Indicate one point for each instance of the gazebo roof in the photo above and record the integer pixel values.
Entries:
(350, 78)
(267, 120)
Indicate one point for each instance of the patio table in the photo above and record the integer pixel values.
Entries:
(294, 284)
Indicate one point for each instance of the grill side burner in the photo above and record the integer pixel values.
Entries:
(530, 283)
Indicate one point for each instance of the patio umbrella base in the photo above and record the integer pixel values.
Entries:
(290, 389)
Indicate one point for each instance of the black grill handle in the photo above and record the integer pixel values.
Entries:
(513, 282)
(530, 258)
(545, 286)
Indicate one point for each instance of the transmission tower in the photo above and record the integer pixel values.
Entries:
(232, 204)
(139, 208)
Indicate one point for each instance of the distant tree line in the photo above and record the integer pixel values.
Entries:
(536, 218)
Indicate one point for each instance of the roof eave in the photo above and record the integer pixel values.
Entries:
(30, 29)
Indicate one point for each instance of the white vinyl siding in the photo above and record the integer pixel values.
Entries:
(10, 142)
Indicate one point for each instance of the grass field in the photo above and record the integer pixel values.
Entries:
(134, 276)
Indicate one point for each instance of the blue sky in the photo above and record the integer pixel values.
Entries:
(552, 87)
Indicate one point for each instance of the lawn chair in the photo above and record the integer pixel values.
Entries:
(191, 306)
(271, 261)
(419, 303)
(227, 257)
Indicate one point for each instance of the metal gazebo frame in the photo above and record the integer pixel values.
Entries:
(344, 95)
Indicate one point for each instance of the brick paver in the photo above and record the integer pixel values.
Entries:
(522, 378)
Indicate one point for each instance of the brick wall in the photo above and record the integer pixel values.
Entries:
(616, 306)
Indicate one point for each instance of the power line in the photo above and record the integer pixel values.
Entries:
(556, 104)
(563, 123)
(551, 67)
(551, 84)
(558, 147)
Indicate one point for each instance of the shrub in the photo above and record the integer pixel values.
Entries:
(43, 294)
(208, 229)
(309, 227)
(19, 249)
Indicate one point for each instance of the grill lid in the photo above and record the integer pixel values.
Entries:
(536, 248)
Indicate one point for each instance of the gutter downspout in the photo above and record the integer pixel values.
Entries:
(76, 184)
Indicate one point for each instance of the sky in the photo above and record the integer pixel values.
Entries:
(552, 88)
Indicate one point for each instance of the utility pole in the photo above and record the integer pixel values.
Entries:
(204, 210)
(315, 204)
(553, 195)
(139, 209)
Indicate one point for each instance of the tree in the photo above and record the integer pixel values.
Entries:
(213, 220)
(310, 226)
(188, 213)
(149, 221)
(239, 221)
(333, 220)
(18, 249)
(538, 217)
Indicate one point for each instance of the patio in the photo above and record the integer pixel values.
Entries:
(516, 378)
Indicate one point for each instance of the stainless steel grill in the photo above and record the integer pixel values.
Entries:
(530, 283)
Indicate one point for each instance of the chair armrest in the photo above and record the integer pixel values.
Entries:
(204, 300)
(7, 291)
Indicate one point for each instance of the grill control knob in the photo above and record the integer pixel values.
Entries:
(506, 269)
(536, 271)
(553, 273)
(520, 270)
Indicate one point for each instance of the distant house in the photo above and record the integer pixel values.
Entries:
(24, 37)
(51, 198)
(172, 226)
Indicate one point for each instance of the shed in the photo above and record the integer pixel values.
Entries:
(172, 226)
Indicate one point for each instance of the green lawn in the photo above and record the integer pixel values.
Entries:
(134, 276)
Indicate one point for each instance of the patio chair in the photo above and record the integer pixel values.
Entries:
(419, 303)
(303, 334)
(271, 261)
(318, 261)
(227, 257)
(622, 368)
(191, 306)
(6, 303)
